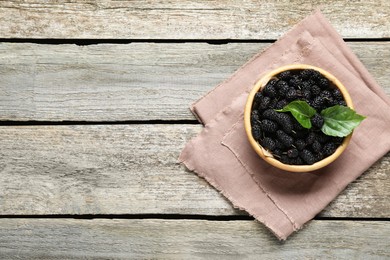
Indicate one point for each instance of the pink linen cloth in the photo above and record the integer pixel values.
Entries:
(285, 201)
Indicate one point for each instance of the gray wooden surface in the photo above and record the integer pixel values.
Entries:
(188, 19)
(107, 169)
(189, 239)
(94, 99)
(103, 82)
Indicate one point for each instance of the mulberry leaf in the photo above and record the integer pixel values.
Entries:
(340, 120)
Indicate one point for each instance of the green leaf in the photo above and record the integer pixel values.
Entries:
(301, 110)
(340, 120)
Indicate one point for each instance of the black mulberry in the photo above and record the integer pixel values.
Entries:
(326, 94)
(318, 103)
(297, 161)
(256, 132)
(270, 89)
(316, 75)
(335, 139)
(292, 153)
(277, 152)
(311, 138)
(316, 146)
(291, 94)
(281, 104)
(285, 75)
(336, 93)
(319, 156)
(255, 117)
(305, 74)
(300, 144)
(317, 121)
(342, 103)
(307, 156)
(329, 148)
(323, 82)
(285, 159)
(279, 145)
(282, 88)
(256, 100)
(284, 138)
(268, 143)
(273, 103)
(323, 138)
(264, 103)
(271, 114)
(283, 119)
(315, 90)
(295, 82)
(306, 94)
(299, 131)
(268, 125)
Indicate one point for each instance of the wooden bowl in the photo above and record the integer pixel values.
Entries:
(267, 156)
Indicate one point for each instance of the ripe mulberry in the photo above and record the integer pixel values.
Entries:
(270, 89)
(264, 103)
(305, 74)
(316, 146)
(316, 75)
(317, 121)
(336, 93)
(283, 119)
(292, 153)
(285, 75)
(323, 138)
(329, 148)
(268, 125)
(284, 138)
(307, 156)
(315, 90)
(300, 144)
(282, 88)
(281, 104)
(318, 103)
(311, 138)
(295, 82)
(306, 94)
(256, 132)
(323, 82)
(256, 100)
(341, 103)
(291, 94)
(255, 117)
(268, 143)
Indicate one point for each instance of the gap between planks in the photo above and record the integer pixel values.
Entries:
(177, 217)
(84, 42)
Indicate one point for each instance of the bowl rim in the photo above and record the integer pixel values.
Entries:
(267, 156)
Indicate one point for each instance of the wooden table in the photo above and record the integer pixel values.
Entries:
(94, 110)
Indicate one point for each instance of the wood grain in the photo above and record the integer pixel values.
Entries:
(137, 81)
(133, 169)
(188, 239)
(189, 19)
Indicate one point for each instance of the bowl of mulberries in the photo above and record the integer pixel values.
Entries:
(299, 118)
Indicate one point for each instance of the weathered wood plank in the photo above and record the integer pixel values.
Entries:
(133, 169)
(188, 239)
(229, 19)
(138, 81)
